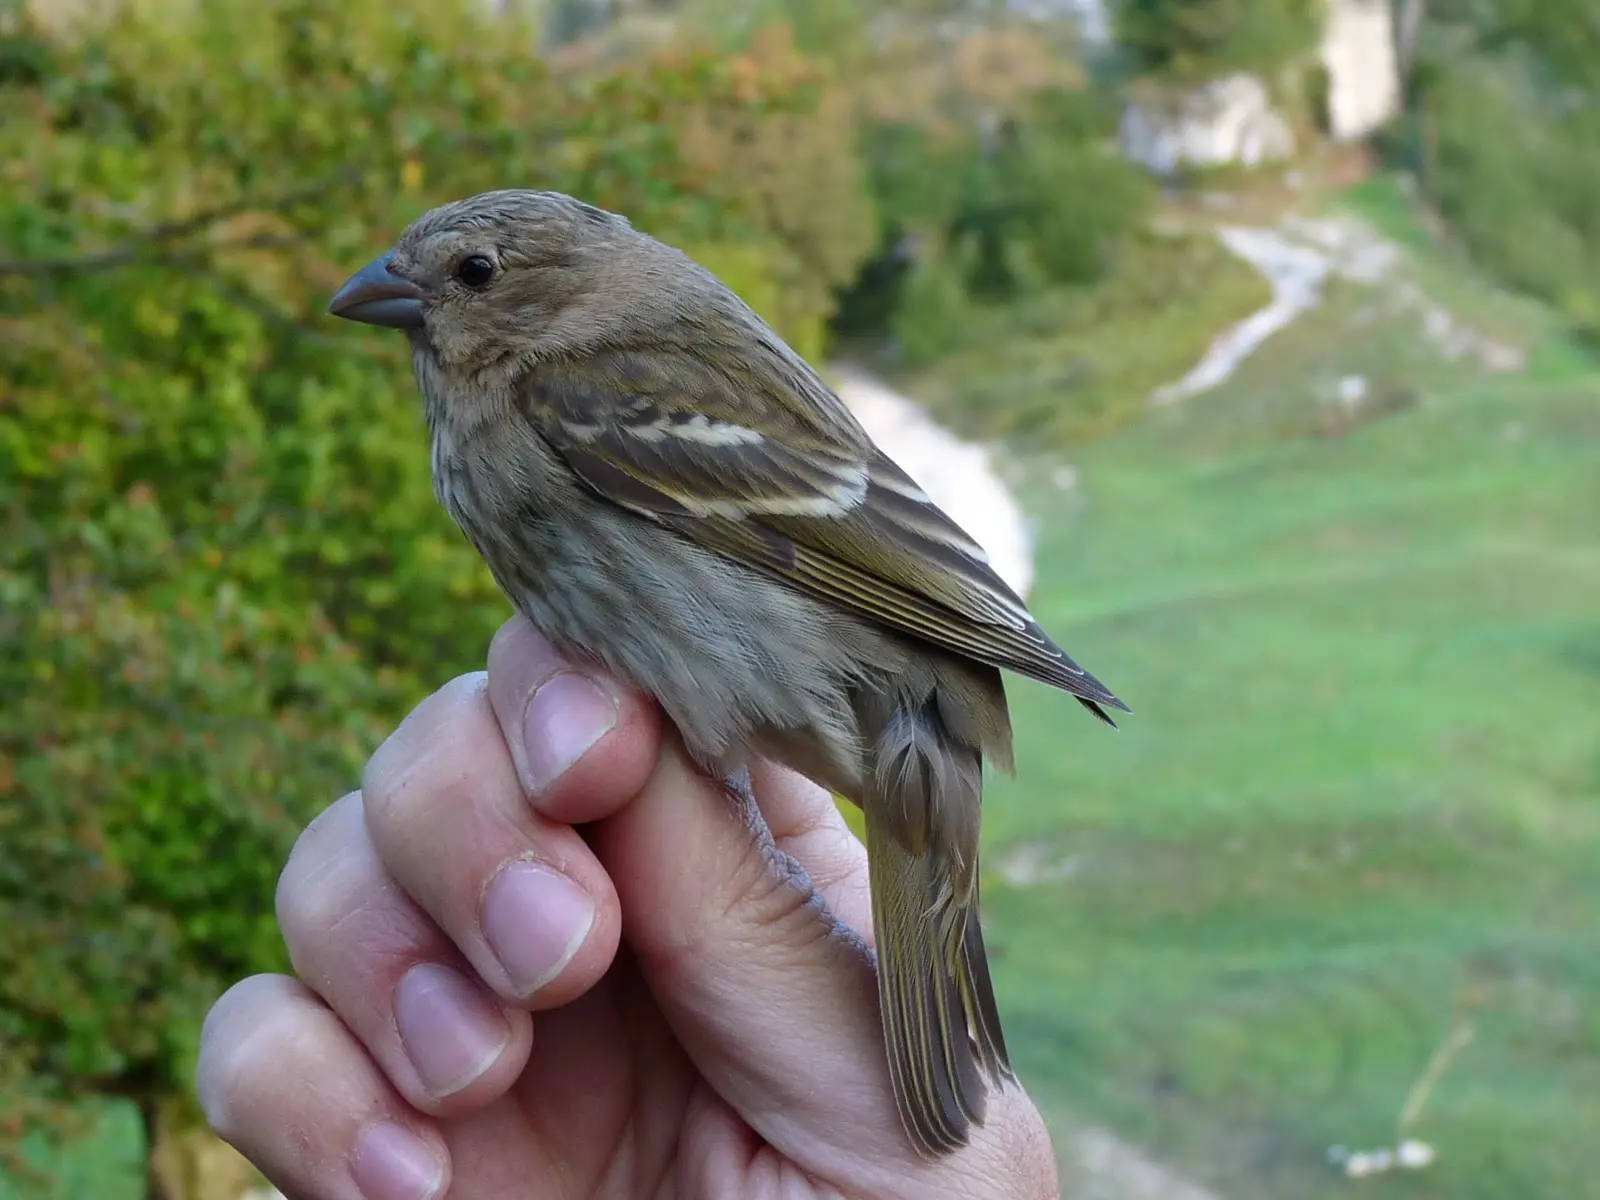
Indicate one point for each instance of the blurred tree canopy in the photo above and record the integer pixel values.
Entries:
(991, 159)
(1563, 34)
(1191, 41)
(225, 572)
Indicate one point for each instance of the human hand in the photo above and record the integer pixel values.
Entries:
(489, 1002)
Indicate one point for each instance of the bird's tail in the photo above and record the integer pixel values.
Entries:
(941, 1024)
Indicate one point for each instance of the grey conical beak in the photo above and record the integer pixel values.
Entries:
(375, 295)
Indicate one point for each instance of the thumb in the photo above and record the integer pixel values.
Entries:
(770, 992)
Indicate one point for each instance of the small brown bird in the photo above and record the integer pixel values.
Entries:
(658, 482)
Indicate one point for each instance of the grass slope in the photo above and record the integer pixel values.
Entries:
(1359, 802)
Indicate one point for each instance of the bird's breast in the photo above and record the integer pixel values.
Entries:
(728, 652)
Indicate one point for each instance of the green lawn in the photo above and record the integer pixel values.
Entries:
(1359, 799)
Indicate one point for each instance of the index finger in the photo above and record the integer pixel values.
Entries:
(549, 710)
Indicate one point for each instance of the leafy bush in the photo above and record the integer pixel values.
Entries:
(1074, 199)
(1504, 132)
(933, 311)
(1190, 41)
(1562, 34)
(1045, 200)
(1066, 364)
(226, 574)
(1519, 184)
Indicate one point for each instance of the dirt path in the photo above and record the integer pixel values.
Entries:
(1298, 256)
(1104, 1167)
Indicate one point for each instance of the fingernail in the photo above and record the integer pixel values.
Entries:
(534, 920)
(565, 716)
(392, 1163)
(451, 1030)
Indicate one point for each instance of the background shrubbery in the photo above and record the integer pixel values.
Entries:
(1193, 41)
(1503, 129)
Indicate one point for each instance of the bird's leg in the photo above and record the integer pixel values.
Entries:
(742, 793)
(783, 864)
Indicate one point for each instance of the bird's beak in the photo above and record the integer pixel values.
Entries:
(375, 295)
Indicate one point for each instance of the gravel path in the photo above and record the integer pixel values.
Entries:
(1298, 256)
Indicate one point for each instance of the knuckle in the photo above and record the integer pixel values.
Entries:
(301, 901)
(1021, 1149)
(436, 757)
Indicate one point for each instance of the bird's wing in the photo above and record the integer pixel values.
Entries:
(786, 487)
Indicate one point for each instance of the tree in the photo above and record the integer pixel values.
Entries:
(1190, 41)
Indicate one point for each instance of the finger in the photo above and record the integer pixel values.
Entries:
(443, 1038)
(521, 896)
(582, 745)
(281, 1079)
(772, 998)
(547, 711)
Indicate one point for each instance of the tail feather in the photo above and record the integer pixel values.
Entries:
(937, 1081)
(977, 990)
(926, 743)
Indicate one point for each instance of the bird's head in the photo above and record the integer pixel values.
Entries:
(519, 275)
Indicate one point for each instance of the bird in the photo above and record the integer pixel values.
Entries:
(661, 485)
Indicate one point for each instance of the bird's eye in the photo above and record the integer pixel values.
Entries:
(475, 271)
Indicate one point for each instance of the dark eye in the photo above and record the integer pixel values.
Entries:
(475, 271)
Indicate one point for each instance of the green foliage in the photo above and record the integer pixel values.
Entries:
(225, 572)
(99, 1155)
(1073, 198)
(1520, 185)
(1190, 41)
(1563, 34)
(1504, 131)
(933, 312)
(1045, 201)
(921, 175)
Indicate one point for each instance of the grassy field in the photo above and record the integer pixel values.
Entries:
(1358, 807)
